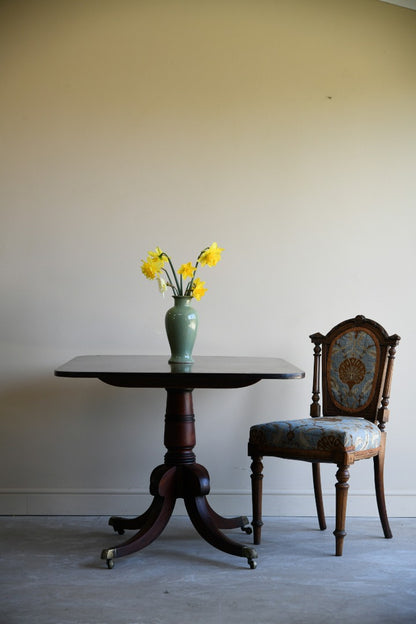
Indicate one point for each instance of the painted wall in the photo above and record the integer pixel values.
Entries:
(285, 131)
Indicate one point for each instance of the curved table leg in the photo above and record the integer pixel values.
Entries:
(200, 515)
(153, 521)
(229, 523)
(121, 524)
(206, 521)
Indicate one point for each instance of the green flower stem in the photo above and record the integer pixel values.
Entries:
(179, 289)
(169, 282)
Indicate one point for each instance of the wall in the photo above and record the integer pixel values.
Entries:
(282, 130)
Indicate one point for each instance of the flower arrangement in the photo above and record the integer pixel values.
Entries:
(154, 267)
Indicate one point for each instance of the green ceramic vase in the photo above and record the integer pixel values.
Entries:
(181, 322)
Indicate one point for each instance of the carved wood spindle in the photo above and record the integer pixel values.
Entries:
(384, 412)
(315, 410)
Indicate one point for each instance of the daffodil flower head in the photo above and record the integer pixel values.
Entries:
(157, 254)
(148, 269)
(187, 270)
(211, 255)
(152, 266)
(198, 289)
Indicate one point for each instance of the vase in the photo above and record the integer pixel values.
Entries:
(181, 322)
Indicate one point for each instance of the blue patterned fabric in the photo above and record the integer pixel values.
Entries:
(352, 369)
(324, 433)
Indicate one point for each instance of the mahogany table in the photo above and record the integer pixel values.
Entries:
(179, 476)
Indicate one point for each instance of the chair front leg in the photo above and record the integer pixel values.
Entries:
(316, 474)
(256, 496)
(341, 486)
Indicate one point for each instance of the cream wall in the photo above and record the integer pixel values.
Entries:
(285, 131)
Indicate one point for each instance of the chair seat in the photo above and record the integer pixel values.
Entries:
(323, 433)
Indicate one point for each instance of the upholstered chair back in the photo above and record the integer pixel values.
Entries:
(357, 358)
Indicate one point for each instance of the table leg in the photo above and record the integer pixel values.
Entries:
(206, 521)
(121, 524)
(199, 513)
(151, 523)
(229, 523)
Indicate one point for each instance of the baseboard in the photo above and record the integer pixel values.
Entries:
(226, 502)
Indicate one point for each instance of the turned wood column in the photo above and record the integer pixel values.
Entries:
(179, 438)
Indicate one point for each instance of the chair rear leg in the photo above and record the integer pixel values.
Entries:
(341, 507)
(379, 483)
(256, 496)
(316, 474)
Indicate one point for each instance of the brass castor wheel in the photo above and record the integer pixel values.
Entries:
(247, 530)
(108, 555)
(251, 555)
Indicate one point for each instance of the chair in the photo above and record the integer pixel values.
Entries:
(357, 365)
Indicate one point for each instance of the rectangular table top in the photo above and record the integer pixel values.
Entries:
(155, 370)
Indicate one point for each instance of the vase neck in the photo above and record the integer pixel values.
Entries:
(183, 300)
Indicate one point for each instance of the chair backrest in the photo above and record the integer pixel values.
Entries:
(357, 365)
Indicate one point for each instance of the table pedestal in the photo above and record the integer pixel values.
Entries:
(179, 477)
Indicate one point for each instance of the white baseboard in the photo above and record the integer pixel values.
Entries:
(47, 502)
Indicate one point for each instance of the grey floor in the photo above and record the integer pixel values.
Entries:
(51, 573)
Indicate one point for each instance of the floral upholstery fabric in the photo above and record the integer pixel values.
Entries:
(323, 433)
(352, 368)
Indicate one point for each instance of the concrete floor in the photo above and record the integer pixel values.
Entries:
(51, 573)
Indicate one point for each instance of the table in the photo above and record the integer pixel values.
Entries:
(180, 476)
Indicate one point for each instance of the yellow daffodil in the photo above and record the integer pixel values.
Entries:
(187, 270)
(157, 255)
(198, 290)
(152, 266)
(211, 256)
(149, 269)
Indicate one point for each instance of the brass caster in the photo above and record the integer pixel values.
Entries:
(251, 555)
(108, 554)
(244, 523)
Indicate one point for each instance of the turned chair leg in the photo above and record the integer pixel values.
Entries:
(256, 496)
(341, 507)
(316, 474)
(379, 483)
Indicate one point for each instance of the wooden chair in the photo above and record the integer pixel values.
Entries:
(357, 365)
